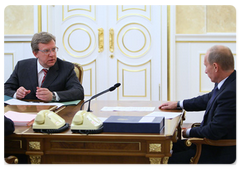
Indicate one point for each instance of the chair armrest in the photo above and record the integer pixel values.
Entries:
(205, 141)
(11, 160)
(199, 141)
(195, 125)
(222, 142)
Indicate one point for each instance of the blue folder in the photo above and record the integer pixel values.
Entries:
(132, 124)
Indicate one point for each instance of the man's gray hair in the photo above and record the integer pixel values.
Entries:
(42, 37)
(221, 55)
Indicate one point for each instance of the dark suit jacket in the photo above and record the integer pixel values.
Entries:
(8, 126)
(219, 121)
(60, 78)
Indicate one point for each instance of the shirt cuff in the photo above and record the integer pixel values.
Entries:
(15, 95)
(188, 132)
(181, 104)
(57, 97)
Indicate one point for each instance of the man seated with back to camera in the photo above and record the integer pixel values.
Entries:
(219, 121)
(45, 77)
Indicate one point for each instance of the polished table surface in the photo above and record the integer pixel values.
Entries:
(68, 147)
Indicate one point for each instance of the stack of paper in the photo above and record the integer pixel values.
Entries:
(21, 119)
(140, 109)
(20, 102)
(13, 101)
(167, 115)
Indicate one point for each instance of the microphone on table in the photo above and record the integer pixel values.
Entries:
(99, 94)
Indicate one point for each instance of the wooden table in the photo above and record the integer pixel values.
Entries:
(103, 148)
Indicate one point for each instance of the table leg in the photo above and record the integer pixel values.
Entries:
(155, 160)
(35, 159)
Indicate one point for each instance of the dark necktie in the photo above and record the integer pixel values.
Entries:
(45, 74)
(215, 91)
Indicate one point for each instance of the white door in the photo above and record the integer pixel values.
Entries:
(136, 59)
(113, 44)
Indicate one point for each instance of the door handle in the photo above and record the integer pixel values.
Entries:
(100, 40)
(111, 40)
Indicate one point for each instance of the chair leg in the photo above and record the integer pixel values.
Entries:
(195, 159)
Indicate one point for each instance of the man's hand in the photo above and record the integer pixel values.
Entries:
(168, 106)
(44, 94)
(22, 92)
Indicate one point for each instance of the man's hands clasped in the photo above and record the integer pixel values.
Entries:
(42, 93)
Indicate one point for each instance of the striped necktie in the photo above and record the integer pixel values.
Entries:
(45, 74)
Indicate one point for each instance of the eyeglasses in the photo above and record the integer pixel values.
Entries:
(48, 51)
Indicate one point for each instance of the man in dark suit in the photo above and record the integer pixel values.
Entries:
(45, 77)
(219, 121)
(8, 126)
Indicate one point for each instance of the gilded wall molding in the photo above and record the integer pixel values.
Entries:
(12, 57)
(18, 38)
(134, 53)
(66, 42)
(133, 11)
(123, 68)
(206, 38)
(91, 67)
(68, 13)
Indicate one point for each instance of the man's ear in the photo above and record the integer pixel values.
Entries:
(35, 54)
(216, 67)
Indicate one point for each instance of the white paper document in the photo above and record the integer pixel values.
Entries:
(167, 115)
(128, 109)
(146, 119)
(20, 102)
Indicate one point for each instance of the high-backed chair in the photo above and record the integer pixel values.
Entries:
(79, 71)
(204, 141)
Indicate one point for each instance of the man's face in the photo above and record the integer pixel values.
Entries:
(209, 70)
(46, 60)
